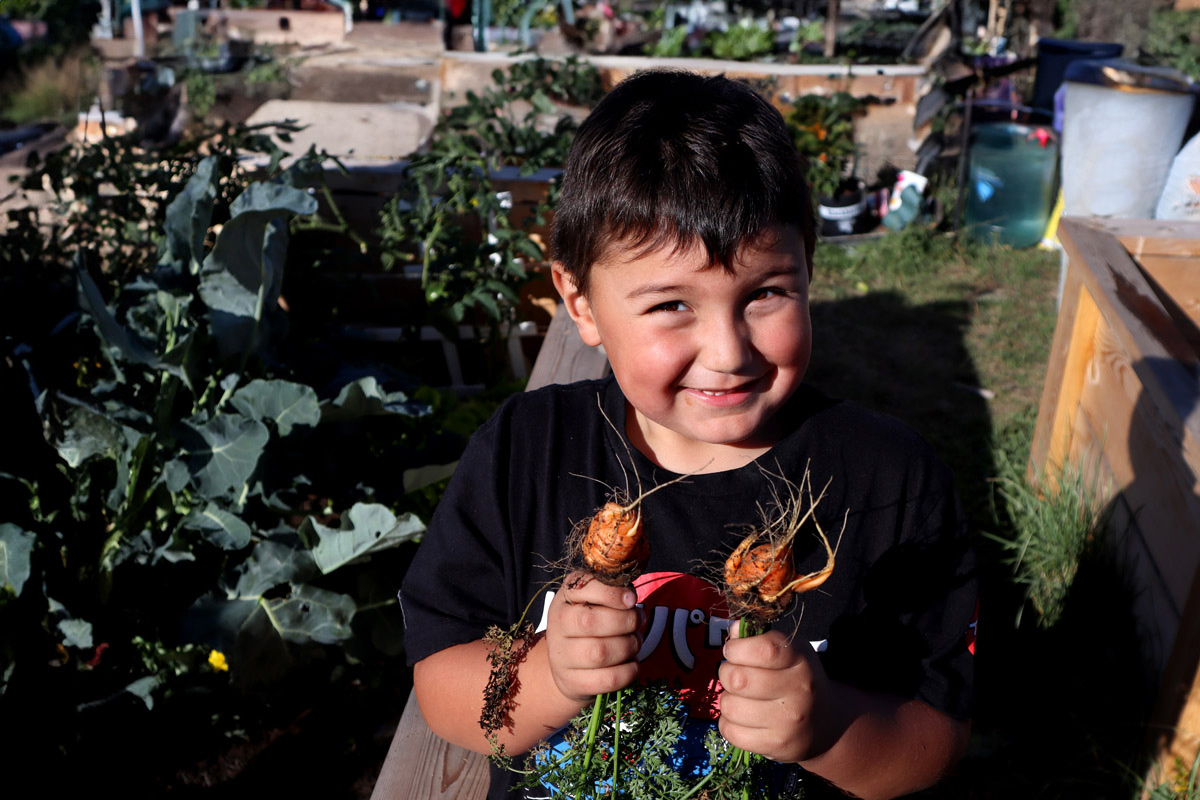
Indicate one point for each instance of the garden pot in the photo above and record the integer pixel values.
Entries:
(845, 213)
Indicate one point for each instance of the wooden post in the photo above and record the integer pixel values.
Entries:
(831, 20)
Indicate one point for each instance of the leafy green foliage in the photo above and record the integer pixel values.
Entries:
(746, 40)
(823, 129)
(671, 43)
(15, 548)
(1182, 784)
(201, 91)
(1173, 39)
(514, 123)
(1057, 524)
(632, 753)
(191, 490)
(109, 200)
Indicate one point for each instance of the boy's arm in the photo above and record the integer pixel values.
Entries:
(589, 647)
(888, 746)
(449, 687)
(778, 702)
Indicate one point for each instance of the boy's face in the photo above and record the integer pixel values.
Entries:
(705, 358)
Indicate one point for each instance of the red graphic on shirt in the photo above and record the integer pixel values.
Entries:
(687, 623)
(971, 629)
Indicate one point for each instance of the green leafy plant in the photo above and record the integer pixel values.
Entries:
(201, 91)
(109, 198)
(809, 32)
(185, 529)
(1173, 38)
(1056, 523)
(626, 746)
(449, 191)
(823, 130)
(671, 43)
(1183, 783)
(746, 40)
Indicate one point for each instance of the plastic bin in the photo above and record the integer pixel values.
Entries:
(1122, 126)
(1053, 58)
(1010, 183)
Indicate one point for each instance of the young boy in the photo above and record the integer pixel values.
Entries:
(683, 244)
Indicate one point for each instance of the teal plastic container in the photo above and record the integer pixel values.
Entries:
(1011, 183)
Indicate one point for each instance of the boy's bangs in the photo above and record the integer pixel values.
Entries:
(656, 207)
(670, 159)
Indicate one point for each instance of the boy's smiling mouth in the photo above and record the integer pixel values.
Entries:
(723, 397)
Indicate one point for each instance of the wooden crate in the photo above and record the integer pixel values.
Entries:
(1121, 399)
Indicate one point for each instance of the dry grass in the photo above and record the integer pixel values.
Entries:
(54, 90)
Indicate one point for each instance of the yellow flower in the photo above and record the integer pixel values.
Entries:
(217, 659)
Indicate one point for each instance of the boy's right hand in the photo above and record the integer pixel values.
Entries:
(593, 634)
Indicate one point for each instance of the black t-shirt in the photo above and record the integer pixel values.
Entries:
(896, 615)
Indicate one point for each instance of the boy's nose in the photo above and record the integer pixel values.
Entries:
(726, 346)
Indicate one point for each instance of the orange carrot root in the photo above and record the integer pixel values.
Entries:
(760, 574)
(615, 547)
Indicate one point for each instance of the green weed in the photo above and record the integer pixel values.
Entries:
(1182, 784)
(53, 90)
(1056, 523)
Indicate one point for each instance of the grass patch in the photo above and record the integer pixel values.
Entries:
(951, 337)
(954, 338)
(1056, 524)
(53, 90)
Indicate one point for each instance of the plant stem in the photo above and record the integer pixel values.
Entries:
(342, 224)
(616, 741)
(593, 726)
(744, 630)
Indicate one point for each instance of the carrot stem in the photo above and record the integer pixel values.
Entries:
(616, 756)
(593, 726)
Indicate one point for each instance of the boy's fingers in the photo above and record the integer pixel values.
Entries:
(581, 588)
(771, 650)
(584, 684)
(588, 620)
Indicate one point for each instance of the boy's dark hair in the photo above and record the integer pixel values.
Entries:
(668, 158)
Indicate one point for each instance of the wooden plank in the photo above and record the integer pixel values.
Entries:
(1165, 363)
(422, 766)
(1070, 352)
(1178, 278)
(1162, 447)
(564, 357)
(1160, 237)
(1174, 718)
(1150, 598)
(1146, 467)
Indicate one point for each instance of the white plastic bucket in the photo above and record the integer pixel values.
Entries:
(1117, 146)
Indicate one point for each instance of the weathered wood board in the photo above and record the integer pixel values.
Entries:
(1122, 402)
(420, 765)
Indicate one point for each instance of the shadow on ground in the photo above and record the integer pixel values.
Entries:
(1059, 712)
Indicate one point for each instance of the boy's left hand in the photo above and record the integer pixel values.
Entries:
(775, 698)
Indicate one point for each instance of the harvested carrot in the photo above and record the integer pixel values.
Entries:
(613, 545)
(760, 574)
(615, 548)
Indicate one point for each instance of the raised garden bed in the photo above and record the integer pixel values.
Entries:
(882, 133)
(1122, 403)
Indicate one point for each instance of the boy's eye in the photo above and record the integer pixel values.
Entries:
(768, 291)
(670, 305)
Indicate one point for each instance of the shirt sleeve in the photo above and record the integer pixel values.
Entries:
(455, 587)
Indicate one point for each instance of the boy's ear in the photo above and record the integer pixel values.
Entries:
(577, 305)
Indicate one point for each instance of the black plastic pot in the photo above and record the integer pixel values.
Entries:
(844, 214)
